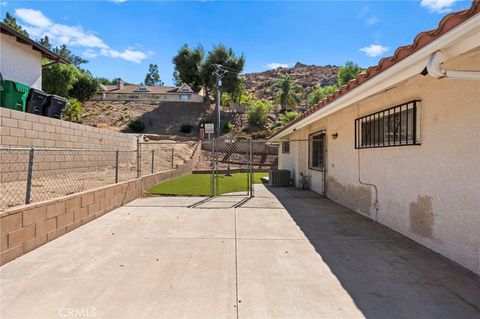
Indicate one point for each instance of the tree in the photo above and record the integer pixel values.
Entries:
(288, 117)
(257, 112)
(188, 64)
(64, 52)
(348, 72)
(287, 92)
(103, 80)
(12, 23)
(45, 41)
(153, 77)
(231, 63)
(59, 78)
(319, 93)
(84, 88)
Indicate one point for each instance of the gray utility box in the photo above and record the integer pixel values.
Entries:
(279, 178)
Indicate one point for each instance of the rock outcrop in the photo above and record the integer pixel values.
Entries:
(260, 84)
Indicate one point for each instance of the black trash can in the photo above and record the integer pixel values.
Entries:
(55, 106)
(37, 102)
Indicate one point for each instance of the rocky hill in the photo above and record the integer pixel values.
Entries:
(307, 76)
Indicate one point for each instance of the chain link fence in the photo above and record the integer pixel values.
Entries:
(35, 174)
(306, 161)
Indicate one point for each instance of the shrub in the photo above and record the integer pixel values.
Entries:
(186, 128)
(136, 125)
(258, 112)
(227, 127)
(288, 117)
(73, 111)
(84, 88)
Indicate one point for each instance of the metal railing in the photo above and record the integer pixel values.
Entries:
(35, 174)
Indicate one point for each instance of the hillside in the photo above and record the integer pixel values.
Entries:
(163, 118)
(307, 76)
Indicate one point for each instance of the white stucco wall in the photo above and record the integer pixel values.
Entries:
(20, 63)
(428, 192)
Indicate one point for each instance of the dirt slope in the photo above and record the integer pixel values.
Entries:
(163, 118)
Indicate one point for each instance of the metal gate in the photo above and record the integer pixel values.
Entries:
(236, 166)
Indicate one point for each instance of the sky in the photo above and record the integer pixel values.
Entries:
(120, 38)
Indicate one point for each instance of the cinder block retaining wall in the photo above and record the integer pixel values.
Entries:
(25, 129)
(24, 228)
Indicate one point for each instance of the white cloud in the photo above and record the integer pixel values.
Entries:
(3, 3)
(439, 6)
(372, 20)
(374, 50)
(38, 25)
(128, 55)
(118, 1)
(275, 65)
(33, 17)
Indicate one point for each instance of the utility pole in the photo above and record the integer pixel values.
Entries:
(218, 73)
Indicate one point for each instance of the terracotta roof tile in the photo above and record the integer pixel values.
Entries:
(447, 23)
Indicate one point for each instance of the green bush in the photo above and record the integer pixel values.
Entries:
(136, 125)
(73, 111)
(258, 112)
(288, 117)
(84, 88)
(227, 127)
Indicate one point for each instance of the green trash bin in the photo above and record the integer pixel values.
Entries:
(14, 95)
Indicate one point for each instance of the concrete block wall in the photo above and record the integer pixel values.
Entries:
(25, 129)
(25, 228)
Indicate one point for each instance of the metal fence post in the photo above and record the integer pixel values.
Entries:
(139, 168)
(212, 180)
(116, 165)
(251, 168)
(28, 191)
(173, 154)
(153, 160)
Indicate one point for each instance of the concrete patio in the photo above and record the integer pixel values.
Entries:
(291, 254)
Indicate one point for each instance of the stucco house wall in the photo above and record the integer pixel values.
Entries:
(27, 68)
(428, 192)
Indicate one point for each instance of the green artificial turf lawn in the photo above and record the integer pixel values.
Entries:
(199, 184)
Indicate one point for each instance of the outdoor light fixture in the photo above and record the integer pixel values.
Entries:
(334, 136)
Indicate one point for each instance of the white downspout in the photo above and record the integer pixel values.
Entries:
(435, 69)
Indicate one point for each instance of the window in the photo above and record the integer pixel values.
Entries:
(317, 151)
(185, 97)
(286, 147)
(396, 126)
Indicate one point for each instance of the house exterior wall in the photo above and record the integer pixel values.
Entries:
(19, 63)
(428, 192)
(160, 97)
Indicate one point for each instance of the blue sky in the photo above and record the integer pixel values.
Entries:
(121, 38)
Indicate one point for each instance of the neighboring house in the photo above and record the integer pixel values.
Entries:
(21, 57)
(141, 92)
(401, 143)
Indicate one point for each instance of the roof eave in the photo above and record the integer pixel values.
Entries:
(21, 38)
(460, 39)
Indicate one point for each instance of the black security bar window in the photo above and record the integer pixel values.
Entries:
(286, 147)
(395, 126)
